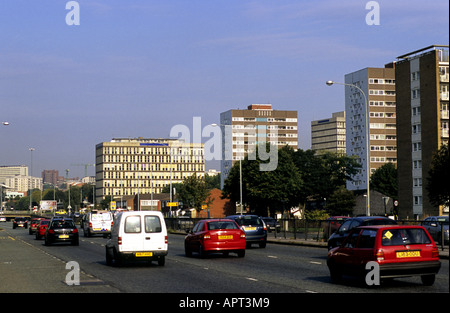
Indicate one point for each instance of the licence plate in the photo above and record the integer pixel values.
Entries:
(63, 236)
(407, 254)
(144, 254)
(250, 228)
(226, 237)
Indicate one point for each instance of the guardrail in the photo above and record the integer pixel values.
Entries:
(314, 230)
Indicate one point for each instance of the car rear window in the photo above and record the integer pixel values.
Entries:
(101, 217)
(404, 236)
(222, 225)
(63, 224)
(249, 220)
(152, 224)
(381, 221)
(133, 224)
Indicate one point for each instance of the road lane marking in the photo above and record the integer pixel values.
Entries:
(314, 262)
(272, 256)
(252, 279)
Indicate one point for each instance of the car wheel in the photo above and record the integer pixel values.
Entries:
(428, 280)
(241, 253)
(263, 244)
(162, 261)
(109, 257)
(335, 275)
(187, 251)
(76, 242)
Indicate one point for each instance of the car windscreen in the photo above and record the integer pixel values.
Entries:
(443, 220)
(222, 225)
(404, 236)
(249, 220)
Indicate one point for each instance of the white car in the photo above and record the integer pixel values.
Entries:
(137, 235)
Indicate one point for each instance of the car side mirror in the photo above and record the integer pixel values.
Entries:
(433, 224)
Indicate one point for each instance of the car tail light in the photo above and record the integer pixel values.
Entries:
(165, 239)
(51, 231)
(435, 252)
(112, 223)
(75, 231)
(380, 255)
(119, 240)
(207, 236)
(90, 225)
(242, 235)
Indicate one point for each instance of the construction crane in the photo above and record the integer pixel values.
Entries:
(85, 167)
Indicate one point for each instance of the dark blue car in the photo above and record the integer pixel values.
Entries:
(254, 228)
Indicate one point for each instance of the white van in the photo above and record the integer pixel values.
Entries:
(97, 222)
(138, 235)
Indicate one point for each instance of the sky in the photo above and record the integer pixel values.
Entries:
(137, 68)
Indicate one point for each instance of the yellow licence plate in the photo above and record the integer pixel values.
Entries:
(226, 237)
(63, 236)
(144, 254)
(408, 254)
(250, 228)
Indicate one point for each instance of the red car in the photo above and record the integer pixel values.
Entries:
(399, 251)
(40, 230)
(215, 235)
(33, 225)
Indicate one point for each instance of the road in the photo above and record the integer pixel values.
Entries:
(26, 265)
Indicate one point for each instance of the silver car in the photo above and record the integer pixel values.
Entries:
(435, 225)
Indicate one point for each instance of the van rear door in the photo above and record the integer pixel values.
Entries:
(133, 235)
(154, 233)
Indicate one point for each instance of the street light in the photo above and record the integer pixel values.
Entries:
(330, 83)
(240, 173)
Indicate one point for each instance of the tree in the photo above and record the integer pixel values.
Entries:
(341, 202)
(265, 191)
(194, 192)
(438, 183)
(384, 180)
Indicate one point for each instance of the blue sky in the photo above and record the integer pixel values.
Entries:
(136, 68)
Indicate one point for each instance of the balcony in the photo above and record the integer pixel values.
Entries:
(444, 96)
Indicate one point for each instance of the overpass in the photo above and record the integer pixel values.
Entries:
(10, 215)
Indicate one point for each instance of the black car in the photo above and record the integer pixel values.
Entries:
(338, 236)
(20, 222)
(61, 230)
(272, 224)
(254, 228)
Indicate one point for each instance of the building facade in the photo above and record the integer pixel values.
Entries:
(328, 135)
(12, 170)
(20, 183)
(422, 86)
(126, 167)
(243, 130)
(378, 85)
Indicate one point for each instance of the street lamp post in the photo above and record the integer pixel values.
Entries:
(240, 173)
(30, 179)
(330, 83)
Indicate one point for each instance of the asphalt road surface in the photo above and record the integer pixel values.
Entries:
(26, 265)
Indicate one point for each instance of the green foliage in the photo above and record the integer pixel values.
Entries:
(385, 180)
(299, 175)
(341, 202)
(438, 182)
